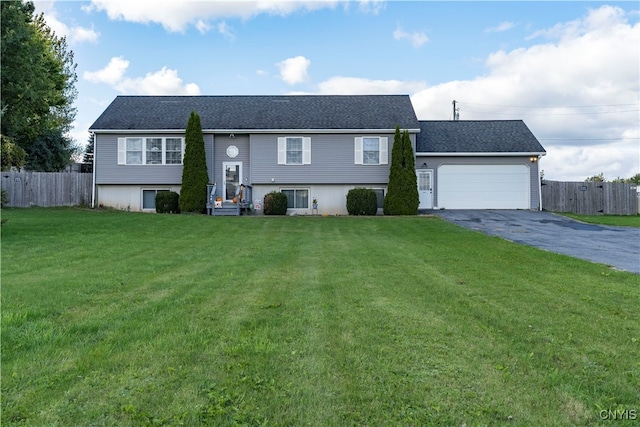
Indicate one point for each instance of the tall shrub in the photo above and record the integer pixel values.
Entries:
(193, 195)
(402, 192)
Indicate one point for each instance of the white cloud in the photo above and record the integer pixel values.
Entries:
(111, 74)
(590, 62)
(501, 27)
(360, 86)
(74, 34)
(417, 39)
(294, 70)
(176, 16)
(162, 82)
(226, 31)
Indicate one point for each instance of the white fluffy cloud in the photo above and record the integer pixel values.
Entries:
(162, 82)
(577, 91)
(294, 70)
(417, 39)
(501, 27)
(176, 16)
(75, 34)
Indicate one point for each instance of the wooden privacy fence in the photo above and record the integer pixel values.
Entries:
(47, 189)
(590, 198)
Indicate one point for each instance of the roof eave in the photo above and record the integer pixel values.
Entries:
(481, 154)
(261, 131)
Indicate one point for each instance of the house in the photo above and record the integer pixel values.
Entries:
(309, 147)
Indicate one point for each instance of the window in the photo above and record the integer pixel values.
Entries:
(297, 198)
(149, 198)
(380, 196)
(134, 151)
(174, 151)
(371, 150)
(294, 150)
(154, 151)
(150, 151)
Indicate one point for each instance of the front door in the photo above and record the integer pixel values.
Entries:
(231, 179)
(425, 188)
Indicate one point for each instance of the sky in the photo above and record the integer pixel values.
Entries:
(569, 70)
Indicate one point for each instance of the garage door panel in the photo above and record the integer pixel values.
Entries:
(483, 187)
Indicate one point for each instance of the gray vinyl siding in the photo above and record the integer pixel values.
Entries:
(332, 161)
(221, 143)
(435, 162)
(108, 171)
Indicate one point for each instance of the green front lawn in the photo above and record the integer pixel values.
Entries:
(619, 220)
(123, 319)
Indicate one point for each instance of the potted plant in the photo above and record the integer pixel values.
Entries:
(314, 203)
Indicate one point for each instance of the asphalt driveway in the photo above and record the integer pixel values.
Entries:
(618, 247)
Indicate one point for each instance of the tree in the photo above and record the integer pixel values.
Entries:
(87, 159)
(12, 155)
(38, 86)
(402, 193)
(596, 178)
(193, 195)
(635, 179)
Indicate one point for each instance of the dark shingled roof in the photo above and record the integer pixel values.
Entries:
(259, 112)
(476, 136)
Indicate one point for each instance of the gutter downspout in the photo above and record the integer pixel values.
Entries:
(93, 187)
(539, 184)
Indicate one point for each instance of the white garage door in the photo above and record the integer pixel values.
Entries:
(483, 187)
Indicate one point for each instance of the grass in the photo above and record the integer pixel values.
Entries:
(618, 220)
(123, 319)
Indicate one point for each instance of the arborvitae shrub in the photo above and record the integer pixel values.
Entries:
(167, 202)
(402, 192)
(193, 195)
(275, 203)
(362, 201)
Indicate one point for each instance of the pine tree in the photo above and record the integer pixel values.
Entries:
(193, 195)
(402, 192)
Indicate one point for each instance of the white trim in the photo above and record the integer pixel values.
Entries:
(477, 154)
(384, 150)
(254, 131)
(93, 188)
(306, 150)
(122, 150)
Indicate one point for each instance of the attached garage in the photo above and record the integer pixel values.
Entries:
(484, 186)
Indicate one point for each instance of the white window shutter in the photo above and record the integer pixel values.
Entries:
(306, 151)
(384, 150)
(122, 151)
(282, 151)
(358, 150)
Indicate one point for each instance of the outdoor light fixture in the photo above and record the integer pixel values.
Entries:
(424, 165)
(533, 159)
(231, 135)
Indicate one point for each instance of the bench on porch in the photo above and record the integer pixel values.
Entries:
(226, 208)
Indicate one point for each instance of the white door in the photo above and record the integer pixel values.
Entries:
(484, 187)
(425, 188)
(231, 179)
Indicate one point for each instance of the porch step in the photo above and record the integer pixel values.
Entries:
(225, 211)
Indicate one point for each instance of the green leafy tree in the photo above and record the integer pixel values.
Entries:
(596, 178)
(12, 155)
(635, 179)
(402, 193)
(193, 195)
(38, 77)
(87, 159)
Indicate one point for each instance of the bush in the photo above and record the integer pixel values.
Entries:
(362, 201)
(167, 202)
(275, 203)
(4, 198)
